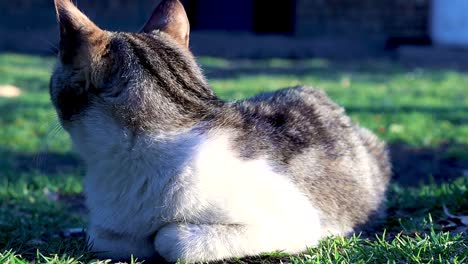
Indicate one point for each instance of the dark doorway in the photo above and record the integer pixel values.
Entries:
(274, 16)
(220, 15)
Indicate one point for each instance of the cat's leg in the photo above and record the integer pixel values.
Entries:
(111, 244)
(194, 243)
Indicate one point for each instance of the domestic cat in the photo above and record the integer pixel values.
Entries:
(172, 170)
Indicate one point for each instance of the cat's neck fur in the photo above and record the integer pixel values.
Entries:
(170, 92)
(103, 150)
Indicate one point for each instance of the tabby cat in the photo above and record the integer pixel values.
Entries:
(174, 171)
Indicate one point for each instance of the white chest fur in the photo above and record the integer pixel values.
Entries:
(137, 188)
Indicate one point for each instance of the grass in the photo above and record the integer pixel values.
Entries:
(421, 112)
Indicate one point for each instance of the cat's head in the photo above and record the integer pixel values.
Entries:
(137, 81)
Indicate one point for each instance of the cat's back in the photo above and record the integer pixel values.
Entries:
(288, 122)
(342, 168)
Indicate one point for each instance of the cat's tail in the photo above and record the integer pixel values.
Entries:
(378, 150)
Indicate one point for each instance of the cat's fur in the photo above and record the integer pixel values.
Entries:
(175, 171)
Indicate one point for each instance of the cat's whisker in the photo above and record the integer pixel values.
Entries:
(41, 157)
(51, 46)
(54, 50)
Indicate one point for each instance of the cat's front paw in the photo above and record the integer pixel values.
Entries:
(169, 243)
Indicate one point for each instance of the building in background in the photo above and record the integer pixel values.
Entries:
(300, 27)
(256, 16)
(395, 21)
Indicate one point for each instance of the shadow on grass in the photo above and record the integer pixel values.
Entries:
(39, 200)
(33, 224)
(412, 165)
(43, 162)
(46, 162)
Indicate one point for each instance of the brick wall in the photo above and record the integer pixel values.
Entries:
(363, 18)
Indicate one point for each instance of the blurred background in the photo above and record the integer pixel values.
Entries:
(399, 67)
(338, 29)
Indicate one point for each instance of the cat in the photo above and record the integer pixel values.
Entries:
(174, 171)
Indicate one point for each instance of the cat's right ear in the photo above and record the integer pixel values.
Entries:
(80, 38)
(170, 17)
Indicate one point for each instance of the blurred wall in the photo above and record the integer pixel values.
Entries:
(390, 19)
(30, 25)
(302, 27)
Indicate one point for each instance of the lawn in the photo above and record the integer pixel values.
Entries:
(421, 112)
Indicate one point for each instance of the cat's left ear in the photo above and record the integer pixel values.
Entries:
(171, 18)
(80, 38)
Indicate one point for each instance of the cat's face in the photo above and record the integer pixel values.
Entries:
(138, 80)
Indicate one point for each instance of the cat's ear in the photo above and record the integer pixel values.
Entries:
(80, 38)
(170, 17)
